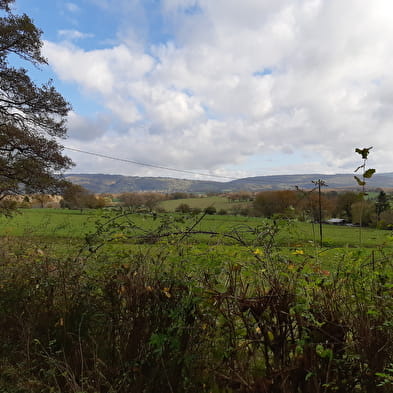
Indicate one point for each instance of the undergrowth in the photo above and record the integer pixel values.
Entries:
(161, 320)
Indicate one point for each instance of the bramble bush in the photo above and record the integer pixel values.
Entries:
(169, 316)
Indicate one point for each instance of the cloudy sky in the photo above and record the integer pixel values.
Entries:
(222, 87)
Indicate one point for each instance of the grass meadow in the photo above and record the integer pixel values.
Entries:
(49, 224)
(219, 202)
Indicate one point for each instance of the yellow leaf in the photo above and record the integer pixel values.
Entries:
(298, 252)
(167, 293)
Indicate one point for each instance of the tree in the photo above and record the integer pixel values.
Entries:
(210, 210)
(136, 200)
(268, 203)
(42, 199)
(362, 212)
(345, 201)
(386, 220)
(381, 204)
(316, 207)
(32, 117)
(183, 208)
(77, 197)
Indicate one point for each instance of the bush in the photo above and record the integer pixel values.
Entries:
(179, 195)
(183, 208)
(268, 203)
(210, 210)
(386, 220)
(363, 212)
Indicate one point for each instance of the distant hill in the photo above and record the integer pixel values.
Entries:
(100, 183)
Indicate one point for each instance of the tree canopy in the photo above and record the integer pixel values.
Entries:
(32, 117)
(78, 197)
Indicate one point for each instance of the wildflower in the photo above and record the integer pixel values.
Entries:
(298, 252)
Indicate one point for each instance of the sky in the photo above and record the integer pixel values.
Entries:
(230, 88)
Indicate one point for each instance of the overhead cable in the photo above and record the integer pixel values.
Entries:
(146, 164)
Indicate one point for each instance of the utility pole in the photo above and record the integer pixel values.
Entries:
(320, 183)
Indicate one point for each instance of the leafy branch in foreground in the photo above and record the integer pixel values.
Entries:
(366, 173)
(119, 226)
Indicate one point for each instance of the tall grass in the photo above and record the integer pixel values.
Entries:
(170, 315)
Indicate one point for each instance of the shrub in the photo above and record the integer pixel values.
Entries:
(268, 203)
(183, 208)
(362, 212)
(210, 210)
(386, 220)
(173, 319)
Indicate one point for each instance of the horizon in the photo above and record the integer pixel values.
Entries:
(225, 181)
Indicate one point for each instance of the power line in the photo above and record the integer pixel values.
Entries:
(145, 164)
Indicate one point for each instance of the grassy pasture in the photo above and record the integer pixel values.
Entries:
(50, 224)
(218, 202)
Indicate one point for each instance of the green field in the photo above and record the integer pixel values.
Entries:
(220, 203)
(47, 224)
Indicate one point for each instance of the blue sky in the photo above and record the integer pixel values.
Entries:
(222, 87)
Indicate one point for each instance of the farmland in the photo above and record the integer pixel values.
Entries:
(218, 202)
(101, 300)
(48, 224)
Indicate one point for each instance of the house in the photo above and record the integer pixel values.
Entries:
(336, 221)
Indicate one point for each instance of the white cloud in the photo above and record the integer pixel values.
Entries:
(85, 129)
(247, 78)
(74, 35)
(72, 7)
(102, 71)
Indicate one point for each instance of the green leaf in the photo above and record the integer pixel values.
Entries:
(364, 152)
(360, 182)
(368, 173)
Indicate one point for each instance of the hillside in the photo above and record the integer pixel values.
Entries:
(100, 183)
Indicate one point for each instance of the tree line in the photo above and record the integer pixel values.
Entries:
(308, 205)
(298, 204)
